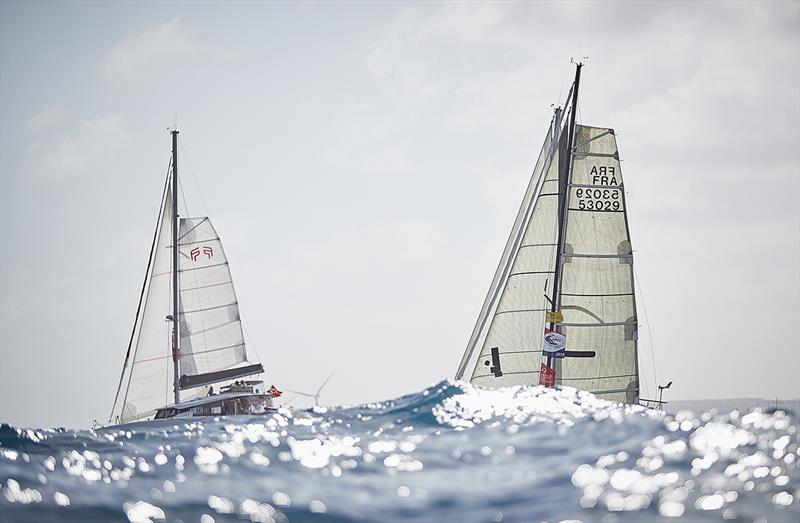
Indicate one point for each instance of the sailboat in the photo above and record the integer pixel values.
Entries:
(187, 336)
(561, 309)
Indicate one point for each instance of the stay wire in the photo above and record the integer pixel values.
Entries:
(649, 329)
(194, 178)
(183, 197)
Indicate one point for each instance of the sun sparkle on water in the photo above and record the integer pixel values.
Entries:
(450, 452)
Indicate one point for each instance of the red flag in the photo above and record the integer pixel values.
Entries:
(547, 376)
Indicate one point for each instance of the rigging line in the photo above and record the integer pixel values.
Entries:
(245, 329)
(643, 376)
(167, 380)
(194, 178)
(183, 196)
(560, 92)
(649, 330)
(144, 286)
(186, 207)
(198, 224)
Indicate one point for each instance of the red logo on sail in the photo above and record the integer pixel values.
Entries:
(207, 251)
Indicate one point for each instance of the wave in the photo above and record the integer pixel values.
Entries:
(451, 452)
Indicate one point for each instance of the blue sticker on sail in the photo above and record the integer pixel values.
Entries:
(555, 344)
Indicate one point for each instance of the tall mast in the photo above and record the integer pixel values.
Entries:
(175, 348)
(565, 165)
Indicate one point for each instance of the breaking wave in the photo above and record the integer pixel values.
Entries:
(452, 452)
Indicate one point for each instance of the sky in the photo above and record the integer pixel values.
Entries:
(363, 164)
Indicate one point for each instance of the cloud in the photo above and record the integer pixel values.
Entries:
(150, 48)
(498, 63)
(416, 50)
(92, 143)
(356, 128)
(48, 118)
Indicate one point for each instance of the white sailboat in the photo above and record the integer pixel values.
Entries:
(561, 309)
(187, 337)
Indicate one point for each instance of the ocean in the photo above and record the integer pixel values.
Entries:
(449, 453)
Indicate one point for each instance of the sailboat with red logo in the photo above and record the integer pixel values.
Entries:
(186, 356)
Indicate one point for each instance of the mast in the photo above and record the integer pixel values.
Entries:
(563, 203)
(175, 348)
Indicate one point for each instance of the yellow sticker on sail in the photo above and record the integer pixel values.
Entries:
(555, 317)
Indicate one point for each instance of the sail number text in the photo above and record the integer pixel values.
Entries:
(598, 199)
(605, 199)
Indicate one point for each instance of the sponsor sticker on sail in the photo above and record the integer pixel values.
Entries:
(547, 376)
(555, 344)
(555, 317)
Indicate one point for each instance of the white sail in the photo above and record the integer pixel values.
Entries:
(597, 291)
(211, 339)
(596, 297)
(149, 384)
(509, 330)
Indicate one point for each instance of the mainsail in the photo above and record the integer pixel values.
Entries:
(212, 343)
(597, 294)
(582, 289)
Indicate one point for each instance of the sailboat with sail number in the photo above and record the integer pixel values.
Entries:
(187, 336)
(561, 309)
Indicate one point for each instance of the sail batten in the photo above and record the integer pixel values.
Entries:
(191, 269)
(208, 308)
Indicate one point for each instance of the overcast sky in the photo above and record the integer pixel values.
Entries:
(363, 164)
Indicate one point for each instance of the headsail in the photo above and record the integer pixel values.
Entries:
(211, 331)
(510, 338)
(149, 382)
(580, 204)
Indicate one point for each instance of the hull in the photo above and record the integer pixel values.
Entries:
(212, 406)
(173, 422)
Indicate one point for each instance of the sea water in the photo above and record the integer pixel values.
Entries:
(450, 453)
